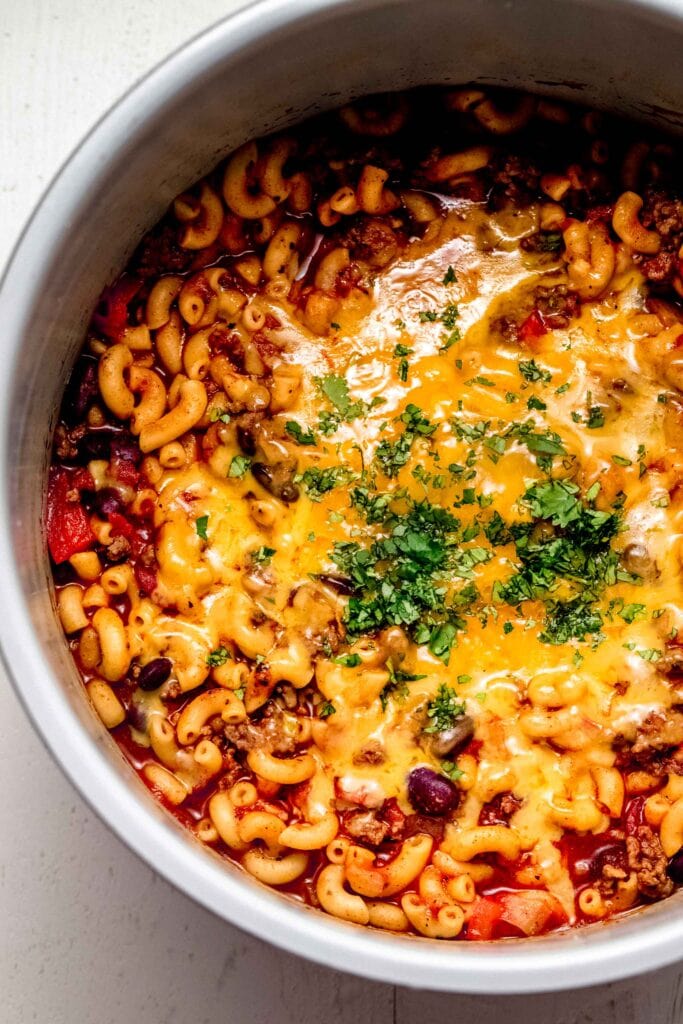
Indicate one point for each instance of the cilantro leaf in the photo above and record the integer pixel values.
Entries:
(201, 523)
(301, 436)
(444, 710)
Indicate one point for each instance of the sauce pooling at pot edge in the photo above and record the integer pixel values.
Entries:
(364, 509)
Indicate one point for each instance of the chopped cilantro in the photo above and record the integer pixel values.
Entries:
(570, 620)
(239, 465)
(596, 418)
(549, 241)
(393, 455)
(399, 577)
(319, 481)
(347, 660)
(336, 390)
(536, 403)
(449, 277)
(219, 414)
(301, 436)
(630, 612)
(450, 340)
(201, 524)
(397, 687)
(218, 657)
(451, 770)
(326, 709)
(444, 710)
(263, 555)
(530, 370)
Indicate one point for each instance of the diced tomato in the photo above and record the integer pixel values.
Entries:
(67, 524)
(533, 327)
(124, 470)
(120, 525)
(484, 916)
(530, 910)
(146, 579)
(111, 315)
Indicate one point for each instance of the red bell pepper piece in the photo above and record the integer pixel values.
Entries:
(533, 327)
(485, 915)
(111, 315)
(67, 524)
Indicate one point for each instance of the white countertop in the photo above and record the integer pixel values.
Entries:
(89, 934)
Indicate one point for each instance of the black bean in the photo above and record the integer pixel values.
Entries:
(246, 439)
(154, 673)
(430, 792)
(278, 479)
(636, 559)
(81, 391)
(448, 740)
(675, 867)
(339, 583)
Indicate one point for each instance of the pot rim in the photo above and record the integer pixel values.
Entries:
(600, 953)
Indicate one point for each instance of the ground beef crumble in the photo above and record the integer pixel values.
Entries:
(647, 858)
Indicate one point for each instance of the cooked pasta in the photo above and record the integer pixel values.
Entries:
(365, 513)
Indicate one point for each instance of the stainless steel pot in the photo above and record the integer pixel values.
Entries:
(269, 65)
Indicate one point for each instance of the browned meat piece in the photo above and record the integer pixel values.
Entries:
(515, 179)
(269, 733)
(160, 252)
(659, 731)
(647, 858)
(117, 550)
(371, 753)
(499, 810)
(506, 328)
(557, 305)
(66, 441)
(663, 214)
(372, 241)
(366, 827)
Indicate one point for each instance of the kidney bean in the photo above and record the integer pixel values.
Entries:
(154, 673)
(81, 391)
(675, 867)
(107, 501)
(94, 445)
(124, 447)
(430, 792)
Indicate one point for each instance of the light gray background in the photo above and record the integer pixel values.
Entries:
(88, 934)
